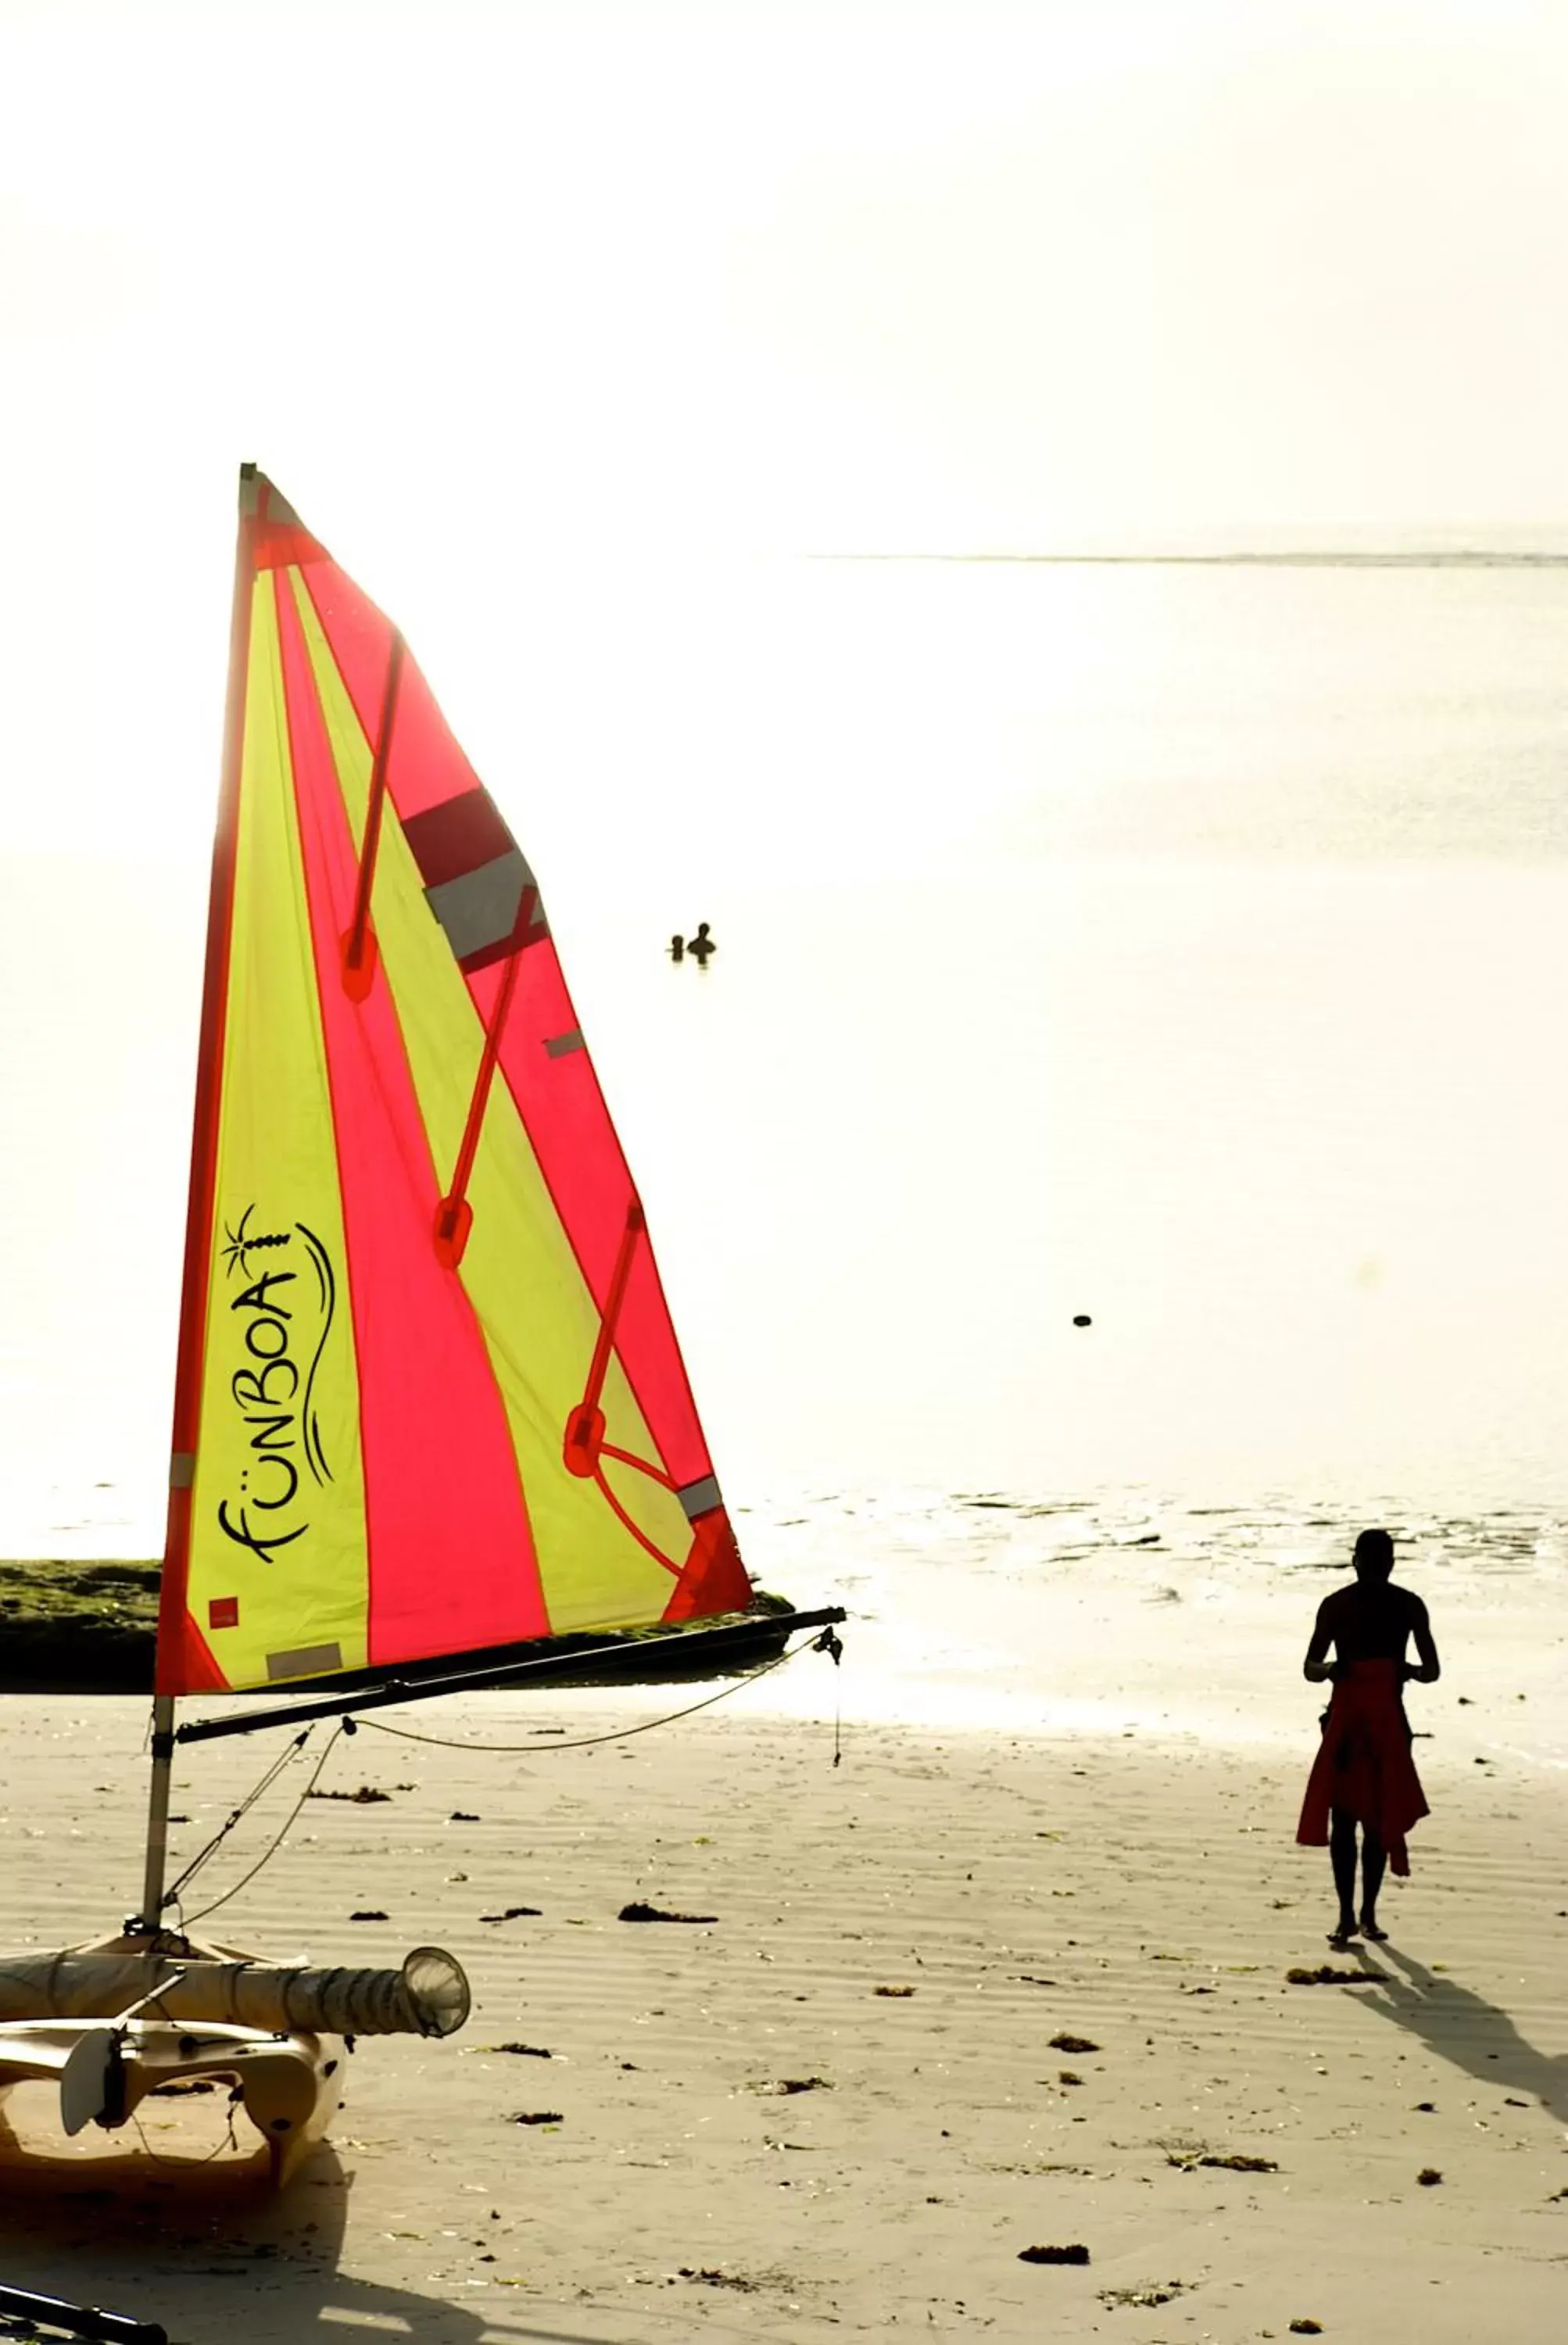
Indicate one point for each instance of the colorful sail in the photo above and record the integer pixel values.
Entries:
(430, 1399)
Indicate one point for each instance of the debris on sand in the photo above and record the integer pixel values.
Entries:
(1186, 2155)
(1077, 2254)
(462, 1816)
(527, 2051)
(780, 2086)
(367, 1796)
(1325, 1974)
(538, 2116)
(1428, 2175)
(709, 2276)
(513, 1913)
(1151, 2295)
(1063, 2042)
(1306, 2329)
(369, 1913)
(896, 1993)
(1068, 2076)
(639, 1912)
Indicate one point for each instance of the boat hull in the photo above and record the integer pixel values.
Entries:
(289, 2086)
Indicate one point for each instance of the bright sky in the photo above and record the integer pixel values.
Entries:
(563, 327)
(513, 297)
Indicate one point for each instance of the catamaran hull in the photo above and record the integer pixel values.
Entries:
(289, 2086)
(112, 2024)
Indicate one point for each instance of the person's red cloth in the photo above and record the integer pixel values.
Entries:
(1364, 1764)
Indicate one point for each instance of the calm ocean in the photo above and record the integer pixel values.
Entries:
(1186, 947)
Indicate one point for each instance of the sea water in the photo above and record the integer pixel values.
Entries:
(1182, 948)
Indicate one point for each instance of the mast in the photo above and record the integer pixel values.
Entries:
(253, 491)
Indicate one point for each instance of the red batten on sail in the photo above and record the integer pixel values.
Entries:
(430, 1399)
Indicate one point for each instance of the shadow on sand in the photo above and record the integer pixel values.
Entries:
(211, 2253)
(1464, 2028)
(217, 2257)
(201, 2243)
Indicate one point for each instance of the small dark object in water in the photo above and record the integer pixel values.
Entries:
(1429, 2174)
(370, 1914)
(1065, 2043)
(513, 1913)
(1077, 2254)
(641, 1912)
(1082, 1319)
(538, 2116)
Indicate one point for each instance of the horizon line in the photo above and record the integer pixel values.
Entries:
(1303, 557)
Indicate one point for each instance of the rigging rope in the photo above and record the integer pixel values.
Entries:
(171, 1893)
(268, 1854)
(828, 1642)
(621, 1733)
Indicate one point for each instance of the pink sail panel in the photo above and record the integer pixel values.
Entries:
(441, 1475)
(458, 838)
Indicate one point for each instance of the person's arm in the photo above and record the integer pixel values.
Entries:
(1316, 1669)
(1430, 1668)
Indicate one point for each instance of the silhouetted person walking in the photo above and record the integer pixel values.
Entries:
(701, 945)
(1364, 1772)
(677, 948)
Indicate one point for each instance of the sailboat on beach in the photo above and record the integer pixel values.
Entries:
(429, 1402)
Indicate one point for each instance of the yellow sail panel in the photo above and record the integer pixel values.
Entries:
(276, 1585)
(538, 1320)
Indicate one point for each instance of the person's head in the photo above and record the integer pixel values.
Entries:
(1374, 1557)
(702, 927)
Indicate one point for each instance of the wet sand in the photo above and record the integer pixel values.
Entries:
(750, 2140)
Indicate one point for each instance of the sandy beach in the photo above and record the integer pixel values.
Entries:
(749, 2134)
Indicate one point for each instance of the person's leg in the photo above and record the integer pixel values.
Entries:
(1342, 1857)
(1373, 1858)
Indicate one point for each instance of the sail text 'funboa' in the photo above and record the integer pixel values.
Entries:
(430, 1399)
